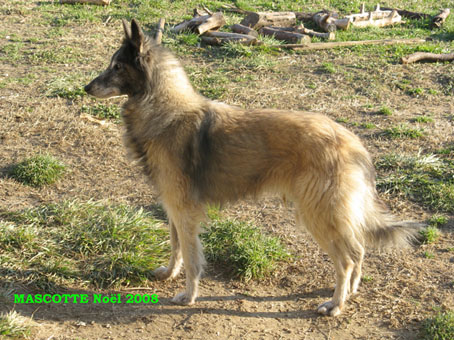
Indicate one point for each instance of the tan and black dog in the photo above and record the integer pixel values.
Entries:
(197, 151)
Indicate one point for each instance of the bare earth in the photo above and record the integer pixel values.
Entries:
(403, 287)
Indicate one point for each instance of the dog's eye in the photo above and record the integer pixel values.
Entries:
(117, 67)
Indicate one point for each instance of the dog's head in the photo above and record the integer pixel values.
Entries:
(128, 72)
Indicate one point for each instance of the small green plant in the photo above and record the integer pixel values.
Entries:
(111, 112)
(428, 255)
(441, 327)
(38, 171)
(403, 131)
(242, 248)
(415, 92)
(423, 119)
(429, 235)
(438, 220)
(328, 68)
(13, 325)
(368, 125)
(385, 111)
(367, 278)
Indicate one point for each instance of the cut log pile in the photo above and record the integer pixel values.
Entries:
(289, 28)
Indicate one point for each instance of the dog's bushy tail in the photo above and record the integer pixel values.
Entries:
(384, 232)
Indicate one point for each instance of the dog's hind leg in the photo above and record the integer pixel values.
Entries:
(176, 259)
(346, 253)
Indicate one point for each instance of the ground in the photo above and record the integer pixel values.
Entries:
(45, 52)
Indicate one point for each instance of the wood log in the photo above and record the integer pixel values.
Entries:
(326, 35)
(214, 22)
(303, 16)
(426, 56)
(159, 31)
(325, 21)
(290, 37)
(407, 14)
(439, 19)
(201, 24)
(376, 18)
(219, 38)
(238, 28)
(262, 19)
(329, 45)
(93, 2)
(302, 30)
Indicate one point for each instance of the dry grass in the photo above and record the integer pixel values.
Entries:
(48, 52)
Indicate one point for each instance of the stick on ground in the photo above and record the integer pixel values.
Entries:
(160, 30)
(426, 56)
(328, 45)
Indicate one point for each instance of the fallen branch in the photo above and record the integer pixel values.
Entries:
(219, 38)
(93, 2)
(439, 19)
(426, 56)
(302, 30)
(160, 30)
(328, 45)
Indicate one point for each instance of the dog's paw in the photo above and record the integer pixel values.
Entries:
(162, 273)
(183, 299)
(329, 308)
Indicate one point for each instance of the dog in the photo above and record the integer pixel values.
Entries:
(198, 152)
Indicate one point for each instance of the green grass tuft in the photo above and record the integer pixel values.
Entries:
(429, 235)
(111, 112)
(427, 179)
(38, 171)
(385, 111)
(403, 131)
(242, 248)
(89, 243)
(441, 327)
(14, 326)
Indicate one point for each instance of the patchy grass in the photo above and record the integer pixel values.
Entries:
(104, 111)
(403, 131)
(440, 327)
(429, 235)
(426, 179)
(38, 171)
(385, 111)
(88, 243)
(242, 248)
(14, 326)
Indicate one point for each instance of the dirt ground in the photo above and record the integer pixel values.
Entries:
(403, 288)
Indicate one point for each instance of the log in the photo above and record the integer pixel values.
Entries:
(325, 21)
(93, 2)
(201, 24)
(303, 16)
(377, 18)
(262, 19)
(214, 22)
(439, 19)
(407, 14)
(329, 45)
(302, 30)
(238, 28)
(219, 38)
(426, 56)
(160, 30)
(290, 37)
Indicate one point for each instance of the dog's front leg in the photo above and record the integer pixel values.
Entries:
(187, 228)
(176, 259)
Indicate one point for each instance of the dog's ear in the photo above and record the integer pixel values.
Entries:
(126, 29)
(137, 36)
